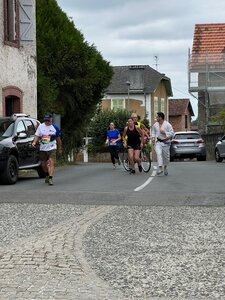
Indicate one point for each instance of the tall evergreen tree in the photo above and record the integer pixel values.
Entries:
(72, 74)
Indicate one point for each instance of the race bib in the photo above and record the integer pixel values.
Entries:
(46, 139)
(111, 142)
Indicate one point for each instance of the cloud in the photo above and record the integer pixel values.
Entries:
(136, 32)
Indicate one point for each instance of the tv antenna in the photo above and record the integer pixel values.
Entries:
(156, 62)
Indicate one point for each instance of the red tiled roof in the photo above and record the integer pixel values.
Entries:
(209, 38)
(178, 107)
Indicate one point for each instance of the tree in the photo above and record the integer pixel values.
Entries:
(72, 75)
(220, 118)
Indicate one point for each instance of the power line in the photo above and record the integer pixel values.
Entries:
(182, 92)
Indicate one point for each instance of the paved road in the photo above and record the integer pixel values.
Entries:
(92, 237)
(188, 183)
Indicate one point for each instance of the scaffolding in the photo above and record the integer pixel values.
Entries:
(206, 82)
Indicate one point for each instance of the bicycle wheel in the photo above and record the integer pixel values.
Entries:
(125, 160)
(145, 160)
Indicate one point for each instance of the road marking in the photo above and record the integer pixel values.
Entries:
(146, 182)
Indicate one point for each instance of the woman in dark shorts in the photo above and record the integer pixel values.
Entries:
(133, 140)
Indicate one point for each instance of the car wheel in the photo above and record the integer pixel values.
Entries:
(217, 156)
(10, 174)
(41, 172)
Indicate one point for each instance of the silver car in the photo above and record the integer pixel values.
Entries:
(187, 144)
(220, 149)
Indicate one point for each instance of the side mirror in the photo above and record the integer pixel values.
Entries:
(22, 135)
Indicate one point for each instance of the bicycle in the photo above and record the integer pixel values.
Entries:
(146, 161)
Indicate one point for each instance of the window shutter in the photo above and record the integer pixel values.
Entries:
(26, 20)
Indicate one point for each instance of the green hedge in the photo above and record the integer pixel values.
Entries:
(100, 124)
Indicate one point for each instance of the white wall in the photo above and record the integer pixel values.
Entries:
(18, 68)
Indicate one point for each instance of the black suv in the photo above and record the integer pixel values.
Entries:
(16, 152)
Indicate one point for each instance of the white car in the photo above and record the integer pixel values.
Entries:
(187, 144)
(220, 149)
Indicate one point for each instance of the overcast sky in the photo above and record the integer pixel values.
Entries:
(145, 32)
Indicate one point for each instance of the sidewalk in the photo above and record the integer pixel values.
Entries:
(108, 252)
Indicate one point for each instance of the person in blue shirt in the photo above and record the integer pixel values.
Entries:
(113, 141)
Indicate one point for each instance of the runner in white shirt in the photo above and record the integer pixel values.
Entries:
(162, 132)
(48, 135)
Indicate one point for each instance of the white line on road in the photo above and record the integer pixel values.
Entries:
(146, 182)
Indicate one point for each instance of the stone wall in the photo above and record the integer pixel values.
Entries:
(210, 141)
(99, 157)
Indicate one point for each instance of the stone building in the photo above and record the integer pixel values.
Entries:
(18, 76)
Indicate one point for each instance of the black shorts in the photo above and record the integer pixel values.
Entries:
(134, 147)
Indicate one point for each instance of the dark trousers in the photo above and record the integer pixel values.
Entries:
(114, 150)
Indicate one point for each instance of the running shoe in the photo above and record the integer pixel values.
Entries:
(159, 172)
(50, 182)
(165, 172)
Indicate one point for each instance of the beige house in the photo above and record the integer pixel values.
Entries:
(140, 89)
(18, 76)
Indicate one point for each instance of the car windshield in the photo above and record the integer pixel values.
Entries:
(6, 129)
(187, 136)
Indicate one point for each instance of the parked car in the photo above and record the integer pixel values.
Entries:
(220, 149)
(187, 144)
(16, 152)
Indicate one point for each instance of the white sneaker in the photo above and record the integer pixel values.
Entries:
(159, 172)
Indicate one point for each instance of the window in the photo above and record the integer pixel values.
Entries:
(12, 104)
(11, 22)
(6, 128)
(117, 103)
(12, 98)
(30, 127)
(163, 105)
(186, 121)
(20, 128)
(156, 106)
(187, 136)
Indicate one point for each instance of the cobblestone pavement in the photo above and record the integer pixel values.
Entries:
(107, 252)
(51, 264)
